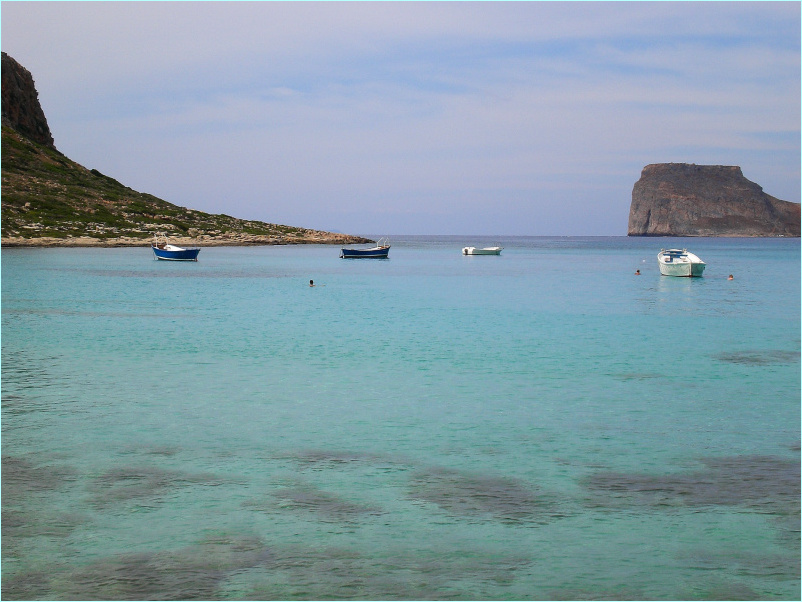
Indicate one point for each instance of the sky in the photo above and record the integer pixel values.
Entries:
(374, 118)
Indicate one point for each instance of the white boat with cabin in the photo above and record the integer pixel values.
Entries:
(679, 262)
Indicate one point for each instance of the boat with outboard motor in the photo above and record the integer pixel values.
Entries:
(679, 262)
(162, 249)
(380, 251)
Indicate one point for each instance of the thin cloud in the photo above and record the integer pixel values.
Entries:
(378, 117)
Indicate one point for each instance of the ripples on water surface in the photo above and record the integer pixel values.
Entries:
(539, 425)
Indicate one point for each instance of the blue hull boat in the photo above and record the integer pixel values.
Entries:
(173, 253)
(380, 251)
(164, 250)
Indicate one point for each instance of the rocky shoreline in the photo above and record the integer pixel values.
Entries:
(223, 240)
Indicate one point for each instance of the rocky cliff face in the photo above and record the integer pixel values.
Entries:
(680, 199)
(21, 108)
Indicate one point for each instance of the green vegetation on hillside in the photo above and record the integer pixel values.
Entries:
(46, 194)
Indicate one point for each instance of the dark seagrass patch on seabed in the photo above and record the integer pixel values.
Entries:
(742, 562)
(27, 510)
(764, 483)
(759, 357)
(29, 585)
(327, 459)
(37, 523)
(307, 499)
(23, 477)
(22, 474)
(285, 572)
(578, 593)
(483, 496)
(189, 573)
(712, 566)
(143, 483)
(304, 573)
(712, 591)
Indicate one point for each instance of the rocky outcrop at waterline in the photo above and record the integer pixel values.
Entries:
(228, 239)
(681, 199)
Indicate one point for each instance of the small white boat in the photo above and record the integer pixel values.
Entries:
(679, 262)
(483, 251)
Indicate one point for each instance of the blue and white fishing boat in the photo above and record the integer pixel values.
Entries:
(162, 249)
(380, 251)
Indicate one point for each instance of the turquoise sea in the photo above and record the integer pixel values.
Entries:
(542, 425)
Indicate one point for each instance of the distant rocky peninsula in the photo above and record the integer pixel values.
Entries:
(681, 199)
(49, 200)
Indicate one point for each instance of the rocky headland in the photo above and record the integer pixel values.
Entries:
(21, 108)
(681, 199)
(49, 200)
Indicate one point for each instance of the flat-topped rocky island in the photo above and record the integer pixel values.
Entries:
(682, 199)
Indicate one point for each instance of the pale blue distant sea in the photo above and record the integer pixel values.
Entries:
(541, 425)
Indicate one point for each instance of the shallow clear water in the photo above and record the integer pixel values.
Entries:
(540, 425)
